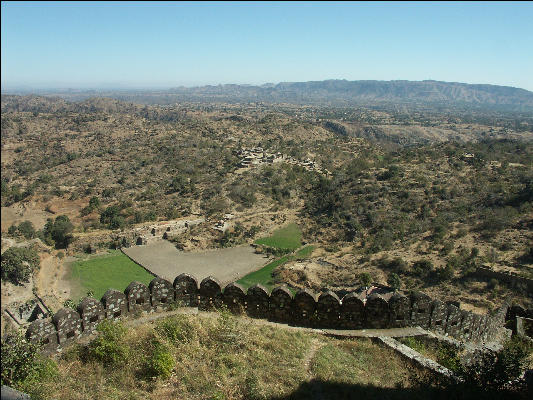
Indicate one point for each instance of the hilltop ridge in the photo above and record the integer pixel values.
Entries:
(327, 92)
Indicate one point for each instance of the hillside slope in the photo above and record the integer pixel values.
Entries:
(334, 92)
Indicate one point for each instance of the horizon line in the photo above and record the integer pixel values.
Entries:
(125, 87)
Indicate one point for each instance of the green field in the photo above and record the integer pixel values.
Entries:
(114, 270)
(264, 275)
(286, 238)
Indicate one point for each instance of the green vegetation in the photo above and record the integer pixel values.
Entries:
(114, 270)
(18, 263)
(161, 363)
(215, 357)
(23, 368)
(365, 279)
(264, 275)
(356, 362)
(444, 354)
(58, 232)
(286, 238)
(218, 355)
(109, 348)
(24, 229)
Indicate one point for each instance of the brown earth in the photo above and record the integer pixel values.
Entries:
(227, 265)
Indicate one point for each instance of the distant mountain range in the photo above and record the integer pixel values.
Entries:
(331, 92)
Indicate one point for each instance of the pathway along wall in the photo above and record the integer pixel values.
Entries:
(354, 311)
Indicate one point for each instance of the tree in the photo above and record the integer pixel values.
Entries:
(112, 218)
(26, 229)
(18, 263)
(94, 203)
(365, 279)
(394, 281)
(423, 268)
(18, 359)
(60, 231)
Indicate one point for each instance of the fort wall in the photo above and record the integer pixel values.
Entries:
(304, 308)
(511, 279)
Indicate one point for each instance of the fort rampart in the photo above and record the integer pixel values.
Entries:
(511, 279)
(307, 309)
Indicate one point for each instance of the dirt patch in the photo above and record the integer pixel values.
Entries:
(37, 212)
(227, 265)
(51, 282)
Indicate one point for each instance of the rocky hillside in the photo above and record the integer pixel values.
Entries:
(336, 92)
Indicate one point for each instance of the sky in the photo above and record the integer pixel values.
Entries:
(166, 44)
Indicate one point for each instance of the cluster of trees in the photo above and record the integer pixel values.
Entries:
(24, 229)
(18, 264)
(13, 193)
(382, 207)
(58, 232)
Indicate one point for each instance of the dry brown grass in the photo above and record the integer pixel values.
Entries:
(224, 357)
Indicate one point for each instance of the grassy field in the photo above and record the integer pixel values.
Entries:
(218, 356)
(264, 275)
(113, 270)
(286, 238)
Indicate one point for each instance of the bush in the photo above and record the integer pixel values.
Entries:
(18, 263)
(423, 268)
(394, 281)
(448, 357)
(176, 329)
(109, 213)
(18, 359)
(161, 363)
(109, 347)
(225, 332)
(26, 229)
(397, 264)
(365, 279)
(495, 370)
(446, 273)
(493, 283)
(22, 367)
(59, 231)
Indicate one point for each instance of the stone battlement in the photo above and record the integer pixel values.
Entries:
(305, 308)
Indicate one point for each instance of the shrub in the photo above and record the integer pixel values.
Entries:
(423, 268)
(22, 367)
(18, 359)
(12, 230)
(109, 213)
(365, 279)
(161, 363)
(18, 263)
(69, 303)
(26, 229)
(394, 281)
(448, 357)
(495, 370)
(446, 273)
(59, 231)
(493, 283)
(396, 265)
(109, 347)
(176, 329)
(225, 331)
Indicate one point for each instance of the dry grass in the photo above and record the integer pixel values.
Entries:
(223, 357)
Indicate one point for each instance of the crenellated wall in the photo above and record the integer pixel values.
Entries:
(353, 311)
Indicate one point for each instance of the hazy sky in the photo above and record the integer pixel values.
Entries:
(167, 44)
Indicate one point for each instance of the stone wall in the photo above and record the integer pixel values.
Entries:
(357, 310)
(511, 279)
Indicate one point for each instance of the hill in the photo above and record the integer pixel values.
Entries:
(424, 197)
(446, 95)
